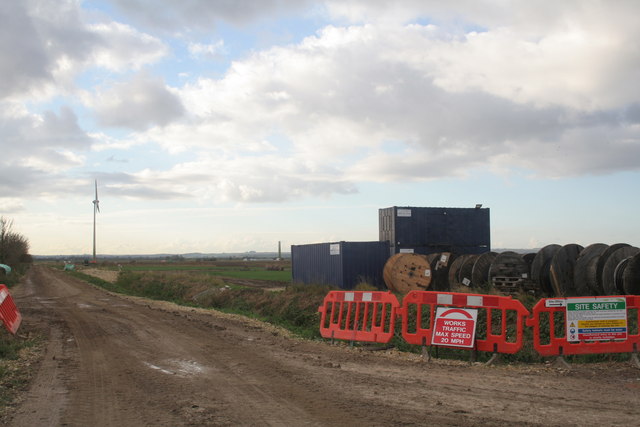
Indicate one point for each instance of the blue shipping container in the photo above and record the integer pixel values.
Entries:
(426, 250)
(467, 229)
(340, 264)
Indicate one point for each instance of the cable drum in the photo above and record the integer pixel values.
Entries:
(407, 272)
(480, 270)
(609, 269)
(585, 271)
(509, 273)
(440, 264)
(387, 270)
(631, 276)
(464, 275)
(432, 257)
(562, 267)
(540, 268)
(602, 260)
(454, 273)
(528, 258)
(617, 274)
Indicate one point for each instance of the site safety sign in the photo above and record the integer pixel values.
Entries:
(596, 319)
(455, 327)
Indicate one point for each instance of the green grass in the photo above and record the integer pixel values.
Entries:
(10, 346)
(252, 273)
(14, 378)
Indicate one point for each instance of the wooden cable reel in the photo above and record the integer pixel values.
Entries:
(386, 272)
(407, 272)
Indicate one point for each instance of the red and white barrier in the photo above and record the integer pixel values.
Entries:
(9, 313)
(359, 316)
(599, 333)
(503, 321)
(491, 323)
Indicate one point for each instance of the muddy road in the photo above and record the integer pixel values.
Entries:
(120, 361)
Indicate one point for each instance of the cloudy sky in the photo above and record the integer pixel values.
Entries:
(230, 125)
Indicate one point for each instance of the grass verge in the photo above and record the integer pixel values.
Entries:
(16, 356)
(293, 308)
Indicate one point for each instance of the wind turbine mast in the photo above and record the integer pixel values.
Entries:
(96, 208)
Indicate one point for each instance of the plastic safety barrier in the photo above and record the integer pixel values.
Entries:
(501, 319)
(8, 311)
(359, 316)
(549, 319)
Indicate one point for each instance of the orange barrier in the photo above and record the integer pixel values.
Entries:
(552, 314)
(359, 316)
(501, 319)
(8, 311)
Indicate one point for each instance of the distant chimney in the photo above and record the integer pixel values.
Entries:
(279, 251)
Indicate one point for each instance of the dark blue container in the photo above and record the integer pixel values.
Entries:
(426, 250)
(459, 230)
(340, 264)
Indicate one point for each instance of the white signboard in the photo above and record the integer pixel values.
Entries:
(334, 249)
(596, 319)
(455, 327)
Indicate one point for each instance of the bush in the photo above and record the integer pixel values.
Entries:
(14, 251)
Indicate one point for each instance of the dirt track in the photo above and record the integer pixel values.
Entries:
(118, 361)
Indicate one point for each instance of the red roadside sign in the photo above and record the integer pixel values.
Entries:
(455, 327)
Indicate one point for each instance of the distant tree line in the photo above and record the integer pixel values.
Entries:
(14, 247)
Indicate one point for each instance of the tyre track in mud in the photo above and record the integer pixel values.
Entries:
(121, 361)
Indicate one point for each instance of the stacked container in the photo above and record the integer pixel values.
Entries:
(423, 230)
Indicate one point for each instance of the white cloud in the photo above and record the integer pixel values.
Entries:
(208, 51)
(572, 53)
(38, 147)
(324, 97)
(10, 205)
(267, 178)
(169, 15)
(23, 60)
(138, 103)
(45, 45)
(123, 48)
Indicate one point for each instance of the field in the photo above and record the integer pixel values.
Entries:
(251, 270)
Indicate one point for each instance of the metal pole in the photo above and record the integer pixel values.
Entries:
(94, 232)
(96, 208)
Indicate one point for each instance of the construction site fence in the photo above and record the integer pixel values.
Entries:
(504, 325)
(359, 316)
(500, 325)
(549, 323)
(9, 314)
